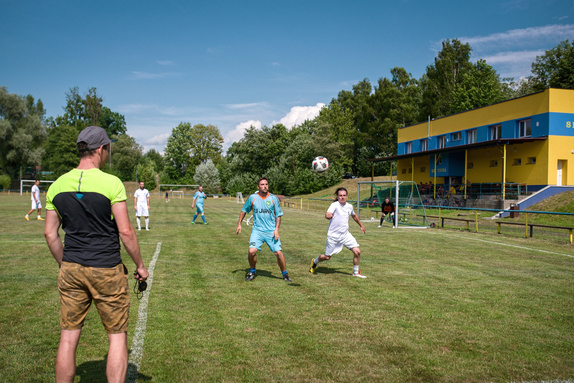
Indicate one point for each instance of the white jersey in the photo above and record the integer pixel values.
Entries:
(339, 224)
(35, 193)
(142, 195)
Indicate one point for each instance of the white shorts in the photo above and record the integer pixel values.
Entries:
(142, 211)
(335, 243)
(36, 205)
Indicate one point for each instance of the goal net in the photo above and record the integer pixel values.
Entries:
(177, 191)
(26, 186)
(177, 194)
(405, 196)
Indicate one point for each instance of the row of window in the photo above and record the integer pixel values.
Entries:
(470, 165)
(524, 130)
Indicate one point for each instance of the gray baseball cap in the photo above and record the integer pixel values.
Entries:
(94, 136)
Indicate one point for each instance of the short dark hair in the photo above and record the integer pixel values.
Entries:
(262, 179)
(339, 189)
(84, 151)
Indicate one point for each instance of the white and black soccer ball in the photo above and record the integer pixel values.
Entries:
(320, 164)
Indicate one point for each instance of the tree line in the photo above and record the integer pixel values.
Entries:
(357, 125)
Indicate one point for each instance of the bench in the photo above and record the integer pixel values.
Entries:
(467, 220)
(533, 225)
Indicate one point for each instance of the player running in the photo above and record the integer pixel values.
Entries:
(199, 198)
(267, 212)
(141, 205)
(338, 235)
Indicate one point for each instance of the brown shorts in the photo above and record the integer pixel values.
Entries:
(107, 287)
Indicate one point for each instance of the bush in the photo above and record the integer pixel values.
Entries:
(5, 181)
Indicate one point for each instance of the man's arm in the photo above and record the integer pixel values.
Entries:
(129, 238)
(52, 235)
(135, 202)
(356, 218)
(276, 231)
(148, 206)
(241, 216)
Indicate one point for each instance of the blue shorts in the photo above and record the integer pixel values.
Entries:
(199, 209)
(257, 238)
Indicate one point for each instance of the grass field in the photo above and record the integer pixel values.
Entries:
(438, 305)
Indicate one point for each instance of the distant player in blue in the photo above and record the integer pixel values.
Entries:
(198, 198)
(267, 212)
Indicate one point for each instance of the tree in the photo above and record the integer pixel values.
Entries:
(74, 109)
(177, 160)
(112, 122)
(206, 174)
(61, 150)
(443, 78)
(155, 157)
(146, 172)
(480, 86)
(22, 132)
(93, 107)
(125, 154)
(206, 143)
(555, 69)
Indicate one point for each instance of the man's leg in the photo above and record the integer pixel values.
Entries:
(356, 256)
(117, 364)
(281, 260)
(252, 257)
(203, 217)
(146, 223)
(66, 357)
(139, 222)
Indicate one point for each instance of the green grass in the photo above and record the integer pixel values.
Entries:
(437, 306)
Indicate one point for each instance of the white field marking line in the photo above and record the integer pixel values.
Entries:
(506, 244)
(25, 241)
(138, 340)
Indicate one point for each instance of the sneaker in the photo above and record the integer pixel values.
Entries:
(193, 223)
(27, 219)
(359, 275)
(147, 229)
(139, 228)
(40, 219)
(313, 268)
(205, 223)
(286, 278)
(379, 226)
(250, 276)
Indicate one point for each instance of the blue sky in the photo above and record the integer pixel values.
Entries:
(235, 63)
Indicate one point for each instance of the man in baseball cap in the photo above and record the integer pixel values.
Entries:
(90, 206)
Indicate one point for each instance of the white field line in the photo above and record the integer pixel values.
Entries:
(505, 244)
(137, 348)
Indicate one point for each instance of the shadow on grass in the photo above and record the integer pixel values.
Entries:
(95, 371)
(263, 274)
(330, 270)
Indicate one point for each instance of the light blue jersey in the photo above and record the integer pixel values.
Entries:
(199, 198)
(265, 211)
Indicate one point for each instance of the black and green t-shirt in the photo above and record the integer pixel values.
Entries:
(83, 199)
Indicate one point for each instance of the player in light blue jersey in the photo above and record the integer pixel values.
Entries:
(267, 219)
(198, 198)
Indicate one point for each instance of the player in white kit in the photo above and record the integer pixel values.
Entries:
(338, 235)
(141, 205)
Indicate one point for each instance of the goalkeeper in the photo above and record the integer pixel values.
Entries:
(388, 208)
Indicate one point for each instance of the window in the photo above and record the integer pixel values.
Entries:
(409, 148)
(423, 169)
(455, 136)
(495, 132)
(470, 165)
(517, 162)
(524, 128)
(424, 145)
(442, 142)
(404, 171)
(493, 163)
(471, 136)
(531, 160)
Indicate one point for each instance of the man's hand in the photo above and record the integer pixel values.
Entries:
(238, 230)
(276, 234)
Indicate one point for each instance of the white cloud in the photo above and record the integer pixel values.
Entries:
(153, 76)
(300, 114)
(160, 139)
(238, 133)
(165, 62)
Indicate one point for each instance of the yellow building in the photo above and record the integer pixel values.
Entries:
(528, 141)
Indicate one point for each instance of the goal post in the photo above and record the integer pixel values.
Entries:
(27, 185)
(409, 209)
(177, 189)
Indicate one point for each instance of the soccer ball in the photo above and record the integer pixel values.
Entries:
(320, 164)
